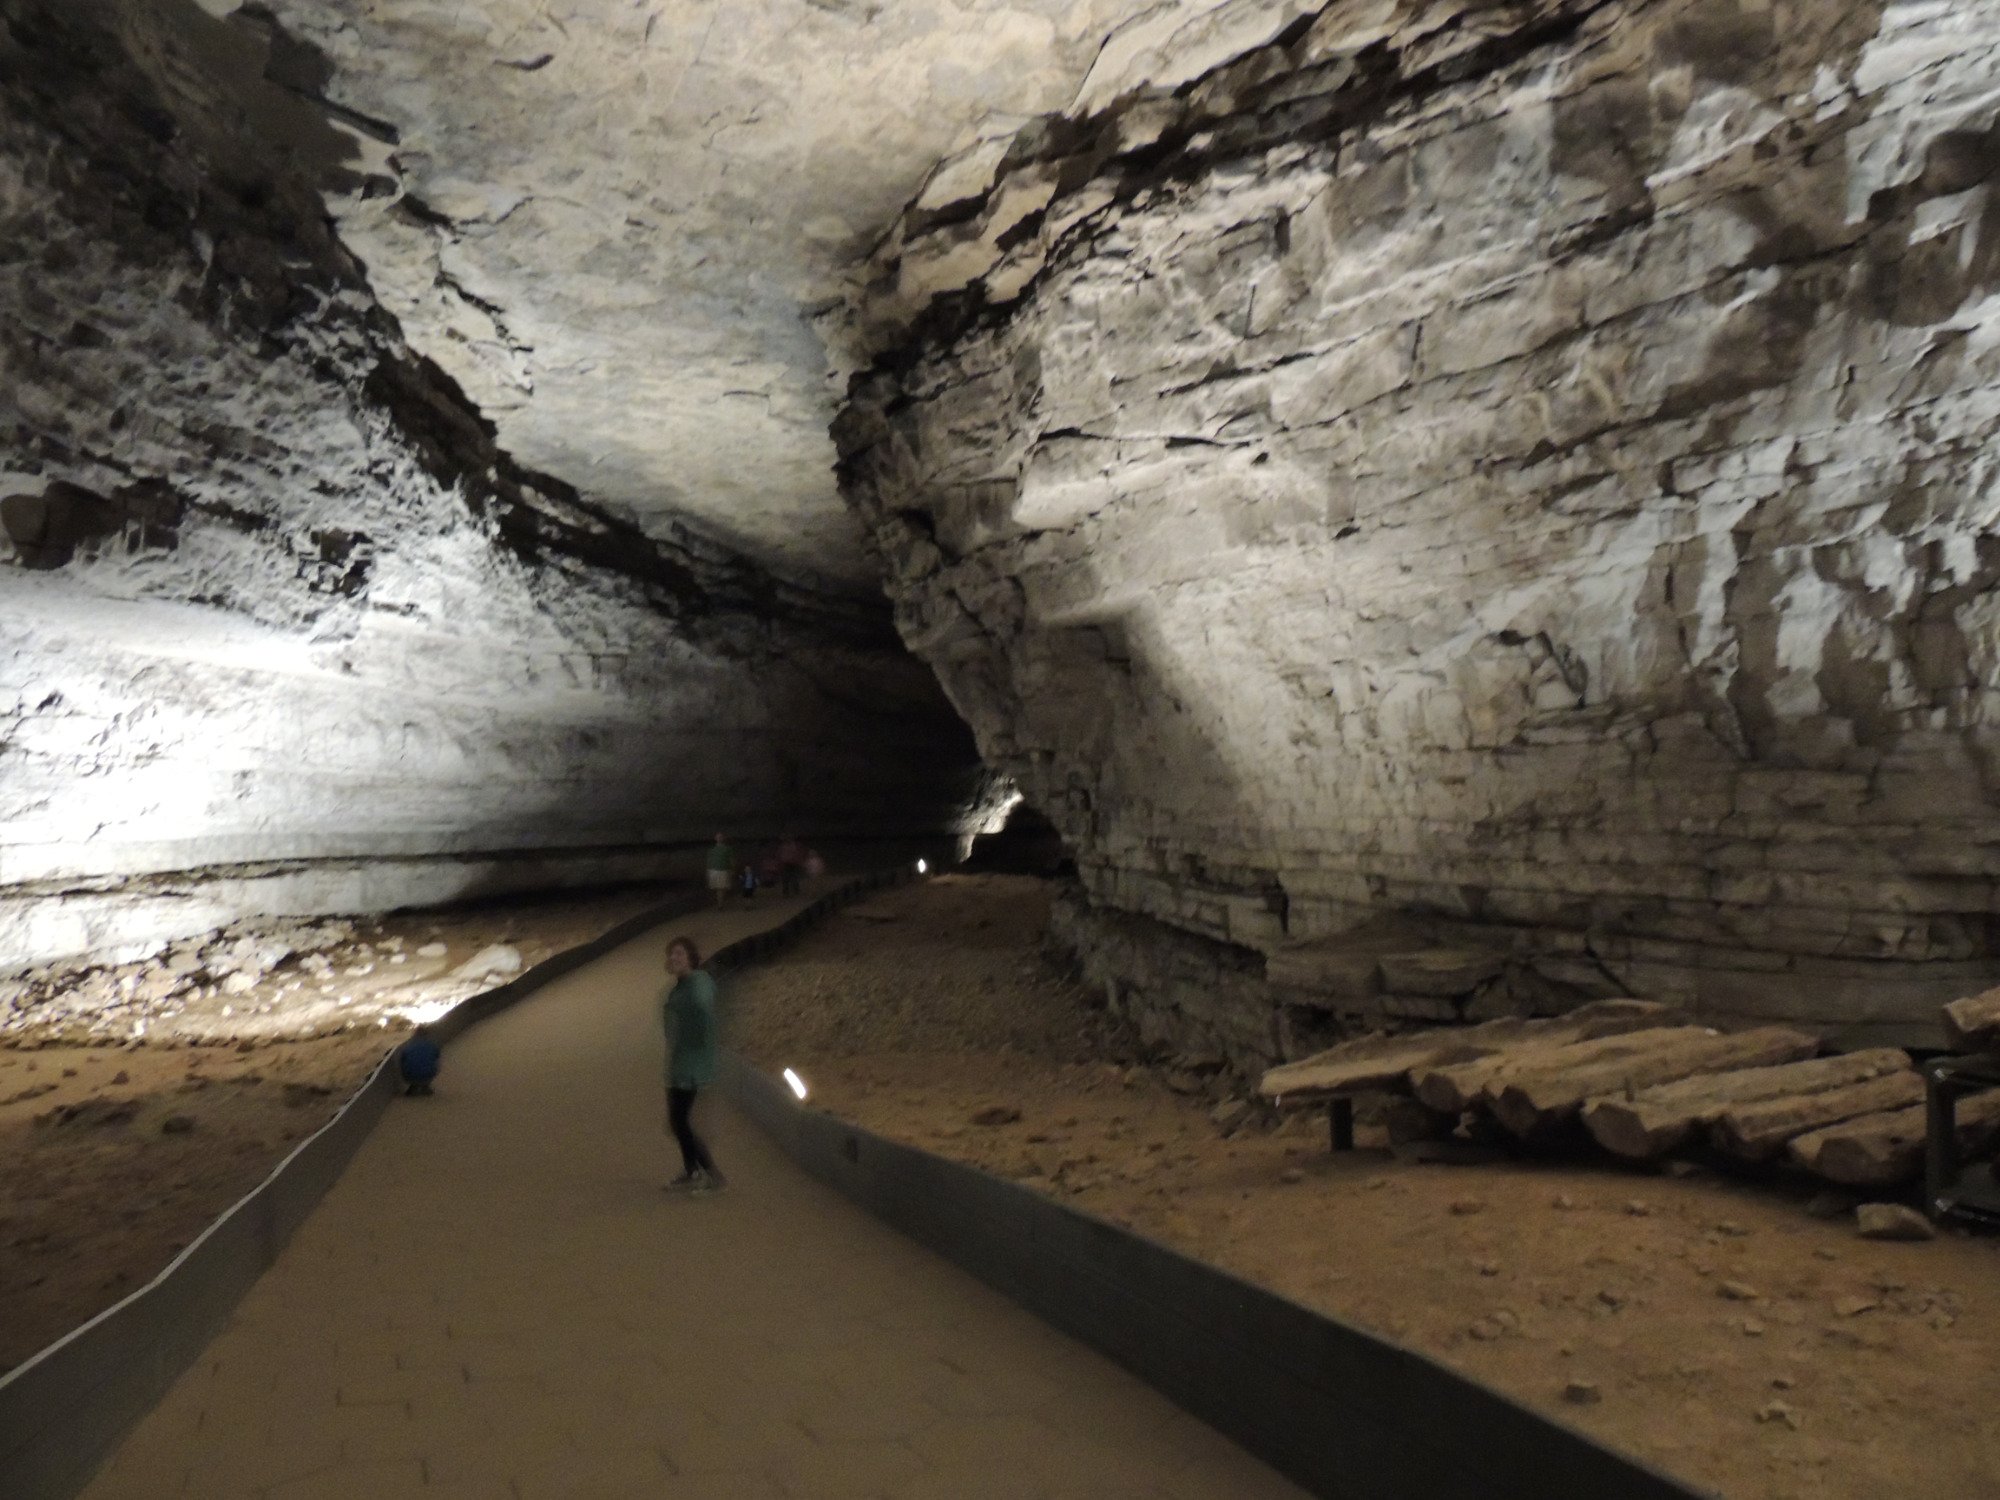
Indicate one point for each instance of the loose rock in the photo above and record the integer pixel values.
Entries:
(1229, 1114)
(1892, 1221)
(1779, 1412)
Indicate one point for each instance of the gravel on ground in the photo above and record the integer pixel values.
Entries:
(1713, 1326)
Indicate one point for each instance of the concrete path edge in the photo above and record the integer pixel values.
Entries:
(1341, 1412)
(65, 1410)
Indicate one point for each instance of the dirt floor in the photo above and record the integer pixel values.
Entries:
(115, 1153)
(1711, 1326)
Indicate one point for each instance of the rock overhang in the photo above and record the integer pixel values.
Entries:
(625, 230)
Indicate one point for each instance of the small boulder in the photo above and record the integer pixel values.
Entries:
(177, 1125)
(1229, 1114)
(1892, 1221)
(1582, 1393)
(1738, 1291)
(496, 961)
(996, 1114)
(1780, 1413)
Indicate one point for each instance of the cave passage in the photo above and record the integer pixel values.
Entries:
(1385, 516)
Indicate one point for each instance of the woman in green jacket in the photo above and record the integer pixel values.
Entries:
(689, 1020)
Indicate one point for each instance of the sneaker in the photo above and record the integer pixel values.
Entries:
(686, 1182)
(711, 1182)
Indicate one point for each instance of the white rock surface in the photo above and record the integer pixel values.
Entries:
(1534, 474)
(490, 962)
(286, 630)
(597, 209)
(1525, 468)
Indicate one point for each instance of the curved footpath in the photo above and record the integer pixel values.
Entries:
(498, 1302)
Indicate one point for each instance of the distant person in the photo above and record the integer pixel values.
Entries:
(815, 866)
(688, 1018)
(746, 881)
(418, 1061)
(791, 865)
(721, 870)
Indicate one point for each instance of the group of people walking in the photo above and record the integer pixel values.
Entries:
(786, 865)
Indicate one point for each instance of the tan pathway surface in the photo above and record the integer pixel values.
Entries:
(498, 1302)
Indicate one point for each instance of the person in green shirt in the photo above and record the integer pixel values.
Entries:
(688, 1017)
(721, 870)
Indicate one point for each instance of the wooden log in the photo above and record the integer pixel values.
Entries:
(1759, 1131)
(1657, 1120)
(1455, 1085)
(1533, 1103)
(1882, 1150)
(1383, 1061)
(1375, 1061)
(1973, 1024)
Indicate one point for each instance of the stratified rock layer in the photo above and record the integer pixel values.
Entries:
(285, 629)
(1527, 467)
(616, 225)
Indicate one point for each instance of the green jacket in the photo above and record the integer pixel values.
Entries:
(689, 1020)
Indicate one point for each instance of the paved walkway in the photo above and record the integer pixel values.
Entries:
(498, 1302)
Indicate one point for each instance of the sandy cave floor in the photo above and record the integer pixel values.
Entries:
(1731, 1338)
(98, 1190)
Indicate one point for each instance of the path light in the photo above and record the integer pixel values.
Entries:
(922, 867)
(798, 1084)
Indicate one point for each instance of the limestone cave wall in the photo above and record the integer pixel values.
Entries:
(1524, 470)
(284, 629)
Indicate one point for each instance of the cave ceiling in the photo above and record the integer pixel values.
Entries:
(623, 228)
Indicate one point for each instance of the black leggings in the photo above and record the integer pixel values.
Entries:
(694, 1153)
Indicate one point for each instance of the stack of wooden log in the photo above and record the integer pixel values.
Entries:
(1646, 1084)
